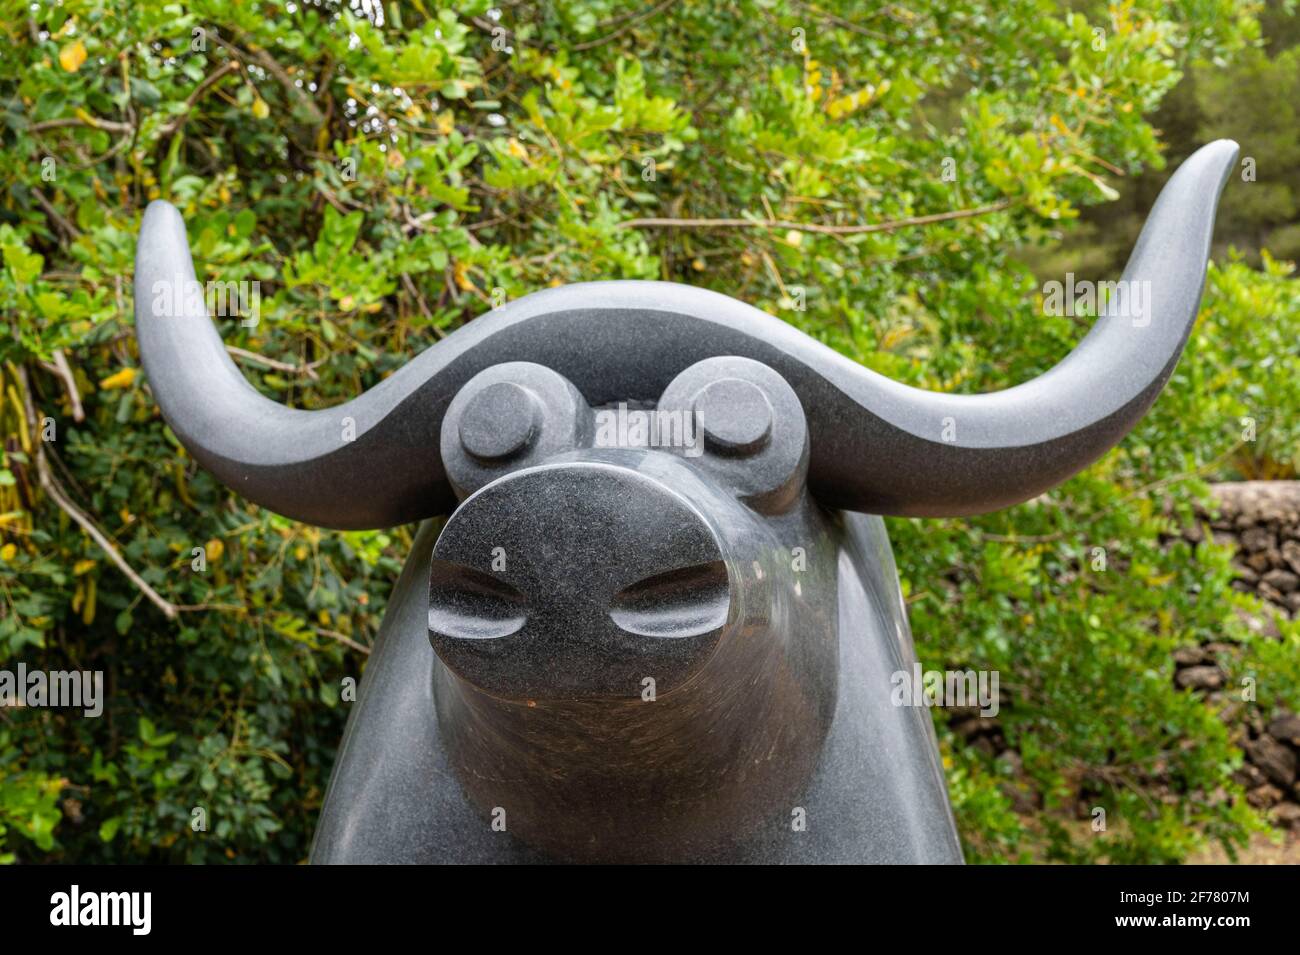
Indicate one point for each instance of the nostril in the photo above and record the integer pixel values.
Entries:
(467, 604)
(521, 612)
(686, 602)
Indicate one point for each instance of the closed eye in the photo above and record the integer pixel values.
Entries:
(468, 604)
(686, 602)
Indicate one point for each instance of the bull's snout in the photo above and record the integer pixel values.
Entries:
(578, 580)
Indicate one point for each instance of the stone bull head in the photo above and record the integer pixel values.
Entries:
(658, 623)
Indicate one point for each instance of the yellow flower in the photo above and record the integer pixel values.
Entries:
(8, 552)
(122, 379)
(72, 56)
(461, 274)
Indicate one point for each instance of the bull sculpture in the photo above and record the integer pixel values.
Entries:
(660, 621)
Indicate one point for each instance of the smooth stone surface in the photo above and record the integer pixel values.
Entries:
(633, 587)
(500, 421)
(735, 415)
(752, 408)
(876, 794)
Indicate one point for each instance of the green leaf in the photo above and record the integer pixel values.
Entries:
(109, 827)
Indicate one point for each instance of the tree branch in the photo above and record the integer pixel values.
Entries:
(68, 229)
(343, 639)
(50, 484)
(92, 122)
(178, 121)
(633, 21)
(271, 65)
(890, 226)
(309, 369)
(69, 382)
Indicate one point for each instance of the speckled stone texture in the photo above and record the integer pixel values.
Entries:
(875, 793)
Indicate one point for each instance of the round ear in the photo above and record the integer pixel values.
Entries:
(508, 417)
(748, 428)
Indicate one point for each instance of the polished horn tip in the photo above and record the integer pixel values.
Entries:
(161, 209)
(161, 229)
(1221, 154)
(160, 212)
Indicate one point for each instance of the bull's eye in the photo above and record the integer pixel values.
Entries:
(468, 604)
(686, 602)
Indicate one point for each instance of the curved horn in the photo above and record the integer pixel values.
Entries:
(877, 445)
(939, 455)
(335, 467)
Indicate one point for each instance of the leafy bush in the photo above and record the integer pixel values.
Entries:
(387, 172)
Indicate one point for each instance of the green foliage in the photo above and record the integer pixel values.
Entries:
(387, 182)
(1269, 120)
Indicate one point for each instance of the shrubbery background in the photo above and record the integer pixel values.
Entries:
(386, 171)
